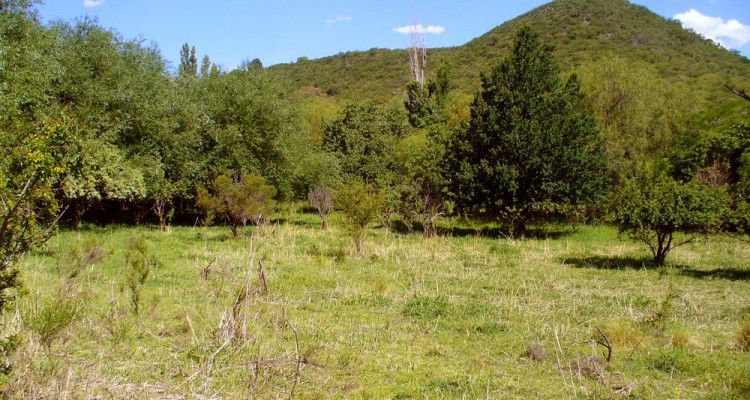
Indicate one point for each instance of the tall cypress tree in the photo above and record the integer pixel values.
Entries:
(531, 144)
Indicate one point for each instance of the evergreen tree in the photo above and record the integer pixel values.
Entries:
(530, 145)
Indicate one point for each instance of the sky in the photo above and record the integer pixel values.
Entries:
(281, 31)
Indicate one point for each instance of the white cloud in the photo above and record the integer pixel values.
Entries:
(731, 34)
(341, 18)
(92, 3)
(419, 28)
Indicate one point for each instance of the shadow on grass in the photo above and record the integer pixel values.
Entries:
(295, 222)
(599, 262)
(494, 232)
(731, 274)
(641, 263)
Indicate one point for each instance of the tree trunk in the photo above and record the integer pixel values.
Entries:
(358, 243)
(518, 229)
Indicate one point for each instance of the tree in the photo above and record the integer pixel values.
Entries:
(188, 61)
(720, 159)
(36, 150)
(205, 66)
(653, 208)
(322, 199)
(31, 164)
(360, 203)
(237, 201)
(426, 103)
(638, 114)
(363, 138)
(250, 128)
(531, 143)
(422, 196)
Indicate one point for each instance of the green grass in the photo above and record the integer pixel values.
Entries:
(469, 316)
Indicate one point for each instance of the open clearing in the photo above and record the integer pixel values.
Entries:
(458, 316)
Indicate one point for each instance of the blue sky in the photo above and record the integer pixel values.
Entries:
(279, 31)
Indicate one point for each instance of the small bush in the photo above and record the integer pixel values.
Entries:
(51, 320)
(360, 204)
(140, 265)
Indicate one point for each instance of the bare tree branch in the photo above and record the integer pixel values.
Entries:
(739, 93)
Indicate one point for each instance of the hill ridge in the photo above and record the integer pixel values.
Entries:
(582, 32)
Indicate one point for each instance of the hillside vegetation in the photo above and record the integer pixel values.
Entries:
(583, 31)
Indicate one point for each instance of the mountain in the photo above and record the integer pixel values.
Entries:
(582, 31)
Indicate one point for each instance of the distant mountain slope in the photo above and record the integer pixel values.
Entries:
(582, 31)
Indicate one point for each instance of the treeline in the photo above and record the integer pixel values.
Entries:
(108, 134)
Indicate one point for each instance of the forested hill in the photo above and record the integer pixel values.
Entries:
(582, 31)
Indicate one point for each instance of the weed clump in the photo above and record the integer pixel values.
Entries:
(535, 352)
(427, 307)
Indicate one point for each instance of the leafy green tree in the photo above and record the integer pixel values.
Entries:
(639, 115)
(720, 159)
(188, 61)
(118, 93)
(37, 141)
(364, 138)
(252, 128)
(360, 203)
(32, 162)
(531, 143)
(654, 209)
(248, 198)
(205, 66)
(422, 196)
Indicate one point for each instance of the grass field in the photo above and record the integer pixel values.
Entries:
(464, 316)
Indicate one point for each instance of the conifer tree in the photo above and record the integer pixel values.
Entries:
(531, 144)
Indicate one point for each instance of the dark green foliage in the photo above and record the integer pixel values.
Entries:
(237, 201)
(360, 203)
(363, 138)
(721, 159)
(718, 158)
(426, 104)
(654, 208)
(531, 143)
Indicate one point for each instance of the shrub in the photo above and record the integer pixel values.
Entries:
(52, 319)
(237, 201)
(653, 209)
(360, 204)
(140, 265)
